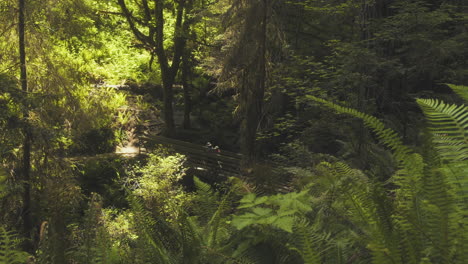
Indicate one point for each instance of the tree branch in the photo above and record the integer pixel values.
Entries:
(147, 11)
(138, 34)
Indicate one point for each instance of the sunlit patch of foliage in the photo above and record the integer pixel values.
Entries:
(157, 183)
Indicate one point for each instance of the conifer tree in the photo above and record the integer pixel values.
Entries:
(246, 67)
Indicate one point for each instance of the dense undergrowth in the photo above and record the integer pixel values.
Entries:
(330, 212)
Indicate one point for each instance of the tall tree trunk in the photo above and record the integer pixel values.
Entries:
(254, 93)
(187, 88)
(26, 163)
(186, 64)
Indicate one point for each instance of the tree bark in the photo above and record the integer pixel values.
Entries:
(26, 162)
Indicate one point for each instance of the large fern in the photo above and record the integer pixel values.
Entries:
(309, 242)
(387, 136)
(428, 216)
(361, 202)
(449, 126)
(211, 233)
(8, 249)
(150, 242)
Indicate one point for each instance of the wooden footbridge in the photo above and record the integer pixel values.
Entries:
(199, 157)
(204, 159)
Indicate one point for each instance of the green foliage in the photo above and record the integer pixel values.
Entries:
(56, 217)
(11, 117)
(8, 248)
(461, 90)
(151, 241)
(308, 240)
(278, 210)
(91, 240)
(207, 236)
(103, 175)
(449, 125)
(386, 135)
(424, 224)
(95, 141)
(70, 49)
(142, 234)
(158, 184)
(3, 179)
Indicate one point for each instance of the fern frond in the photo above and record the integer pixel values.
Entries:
(455, 174)
(311, 243)
(426, 219)
(449, 126)
(215, 223)
(461, 90)
(387, 136)
(202, 187)
(206, 201)
(366, 205)
(145, 224)
(439, 215)
(8, 252)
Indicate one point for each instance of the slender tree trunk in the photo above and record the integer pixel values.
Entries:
(168, 98)
(26, 170)
(187, 88)
(186, 65)
(169, 72)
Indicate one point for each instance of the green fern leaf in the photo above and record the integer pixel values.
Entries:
(461, 90)
(202, 187)
(310, 242)
(8, 252)
(386, 136)
(449, 126)
(145, 225)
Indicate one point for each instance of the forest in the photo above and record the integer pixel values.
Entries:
(233, 131)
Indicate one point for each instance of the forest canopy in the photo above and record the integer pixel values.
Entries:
(233, 131)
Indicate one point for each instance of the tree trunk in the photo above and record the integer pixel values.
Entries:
(253, 95)
(169, 72)
(26, 163)
(187, 89)
(154, 41)
(168, 98)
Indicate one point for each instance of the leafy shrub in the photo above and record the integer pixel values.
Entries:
(157, 184)
(103, 175)
(278, 210)
(96, 141)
